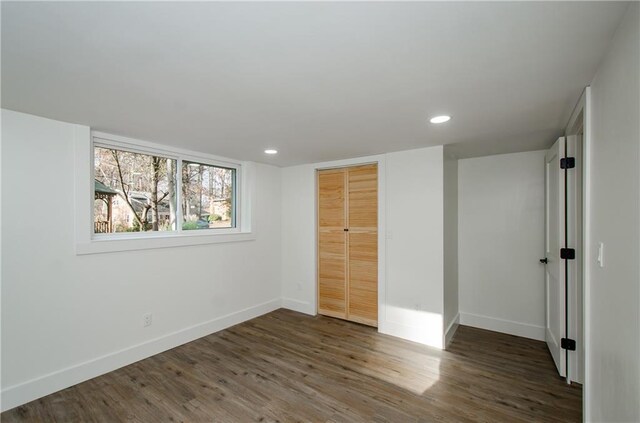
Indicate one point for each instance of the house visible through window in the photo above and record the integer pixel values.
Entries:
(138, 192)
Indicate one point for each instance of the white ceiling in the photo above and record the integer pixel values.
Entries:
(317, 81)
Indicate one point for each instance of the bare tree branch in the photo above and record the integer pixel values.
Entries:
(125, 191)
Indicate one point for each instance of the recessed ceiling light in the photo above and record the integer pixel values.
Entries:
(440, 119)
(271, 151)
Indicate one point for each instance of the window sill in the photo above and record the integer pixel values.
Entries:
(112, 245)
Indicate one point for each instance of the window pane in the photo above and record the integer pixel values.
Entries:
(133, 192)
(207, 196)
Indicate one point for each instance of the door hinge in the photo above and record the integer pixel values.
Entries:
(568, 163)
(568, 344)
(567, 253)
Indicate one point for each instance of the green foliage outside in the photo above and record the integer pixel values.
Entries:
(186, 226)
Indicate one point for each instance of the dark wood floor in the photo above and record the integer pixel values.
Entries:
(287, 366)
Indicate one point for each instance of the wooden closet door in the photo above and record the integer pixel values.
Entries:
(348, 243)
(362, 242)
(332, 243)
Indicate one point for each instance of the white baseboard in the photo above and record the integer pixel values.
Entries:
(299, 306)
(451, 330)
(510, 327)
(24, 392)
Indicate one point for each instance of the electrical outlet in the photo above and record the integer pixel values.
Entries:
(147, 319)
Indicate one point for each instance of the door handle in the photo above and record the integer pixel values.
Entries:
(544, 260)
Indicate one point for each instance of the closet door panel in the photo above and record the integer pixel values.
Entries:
(331, 199)
(362, 206)
(332, 243)
(332, 274)
(363, 277)
(363, 197)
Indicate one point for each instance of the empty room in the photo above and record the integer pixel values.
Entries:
(320, 211)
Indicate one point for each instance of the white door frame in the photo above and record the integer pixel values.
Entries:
(380, 161)
(581, 116)
(574, 268)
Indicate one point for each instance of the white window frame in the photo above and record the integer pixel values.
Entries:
(235, 218)
(88, 242)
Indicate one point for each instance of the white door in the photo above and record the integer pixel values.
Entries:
(555, 289)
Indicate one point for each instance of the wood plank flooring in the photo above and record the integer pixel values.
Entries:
(289, 367)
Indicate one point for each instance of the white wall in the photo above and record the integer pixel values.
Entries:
(451, 316)
(412, 304)
(415, 246)
(298, 238)
(613, 292)
(501, 239)
(66, 318)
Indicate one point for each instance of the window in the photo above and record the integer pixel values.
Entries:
(207, 196)
(146, 185)
(157, 196)
(139, 191)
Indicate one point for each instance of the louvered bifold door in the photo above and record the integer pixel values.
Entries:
(332, 243)
(362, 244)
(348, 243)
